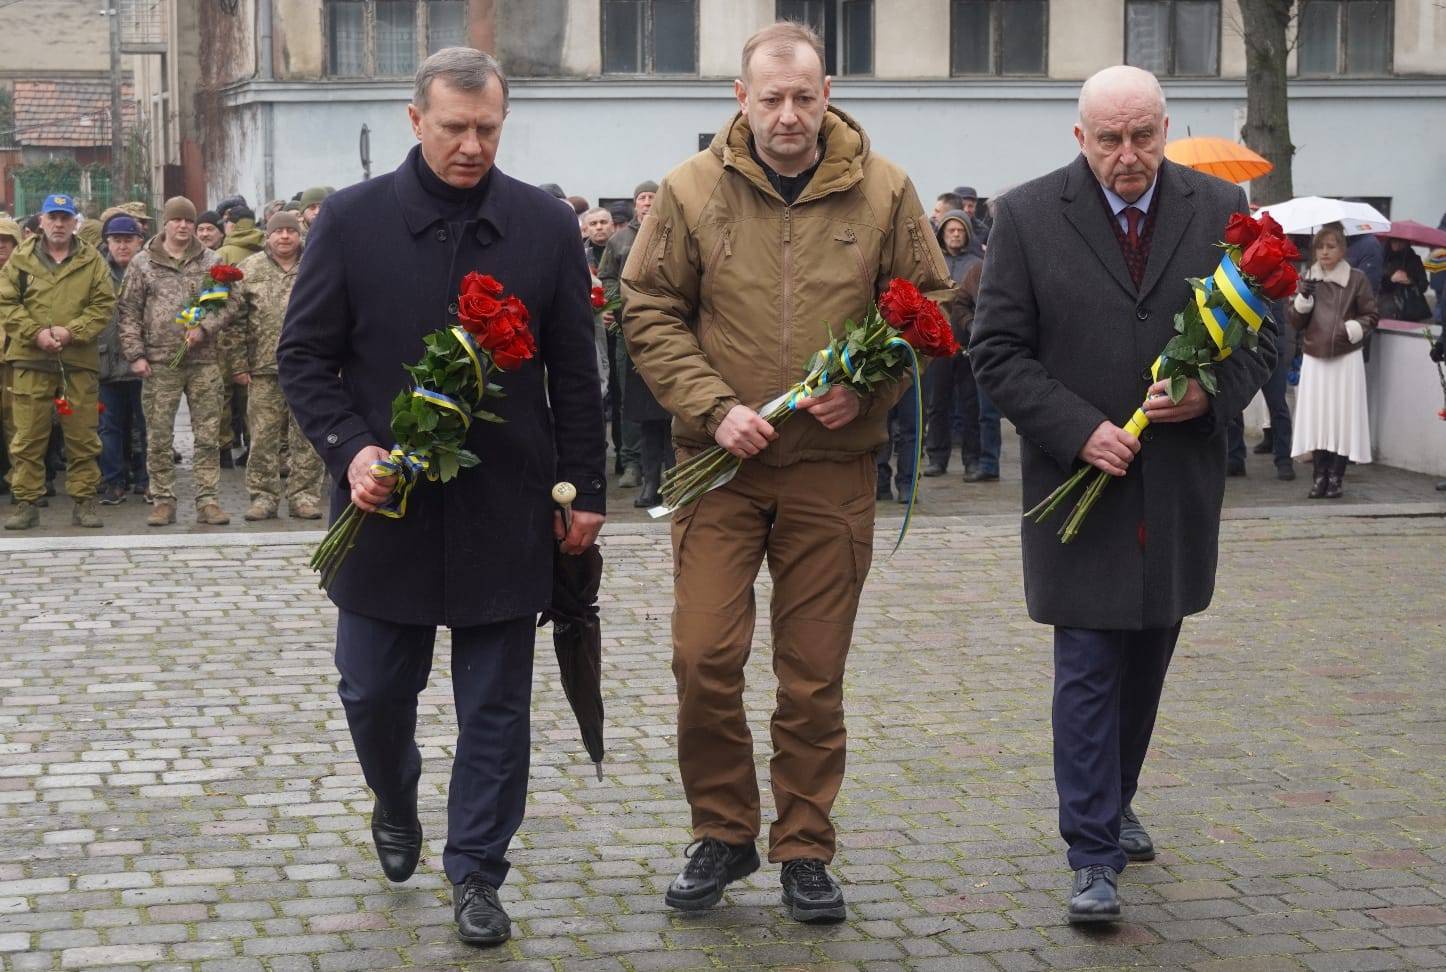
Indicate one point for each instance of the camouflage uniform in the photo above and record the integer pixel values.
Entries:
(156, 288)
(35, 294)
(244, 240)
(261, 300)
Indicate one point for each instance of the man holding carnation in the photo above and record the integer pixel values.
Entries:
(447, 232)
(786, 222)
(1086, 268)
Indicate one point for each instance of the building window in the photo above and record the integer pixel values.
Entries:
(388, 38)
(650, 36)
(998, 36)
(847, 29)
(1340, 37)
(1173, 38)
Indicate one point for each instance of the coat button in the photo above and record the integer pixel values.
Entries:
(597, 484)
(441, 236)
(452, 307)
(1141, 314)
(332, 439)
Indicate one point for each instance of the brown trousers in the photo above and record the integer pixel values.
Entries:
(814, 522)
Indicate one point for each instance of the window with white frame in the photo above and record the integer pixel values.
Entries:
(1344, 37)
(998, 37)
(1173, 38)
(847, 29)
(650, 36)
(389, 38)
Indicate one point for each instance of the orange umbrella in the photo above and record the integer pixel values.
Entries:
(1229, 160)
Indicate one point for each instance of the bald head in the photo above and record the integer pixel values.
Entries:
(1122, 129)
(1118, 85)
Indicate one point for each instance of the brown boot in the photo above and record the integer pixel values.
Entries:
(85, 515)
(163, 513)
(212, 515)
(305, 510)
(260, 510)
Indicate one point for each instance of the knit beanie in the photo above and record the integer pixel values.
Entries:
(313, 195)
(283, 220)
(209, 216)
(646, 186)
(178, 207)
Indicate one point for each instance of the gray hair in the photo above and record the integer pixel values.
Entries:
(594, 211)
(1117, 81)
(463, 68)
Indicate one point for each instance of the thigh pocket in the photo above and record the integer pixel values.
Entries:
(860, 517)
(682, 519)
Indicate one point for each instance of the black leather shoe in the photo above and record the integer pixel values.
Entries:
(1266, 445)
(712, 866)
(1235, 470)
(479, 915)
(1093, 897)
(1285, 471)
(398, 836)
(934, 469)
(810, 894)
(1134, 839)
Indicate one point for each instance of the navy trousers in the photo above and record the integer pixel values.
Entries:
(1106, 690)
(384, 667)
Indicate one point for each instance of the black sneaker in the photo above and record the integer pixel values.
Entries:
(712, 866)
(112, 495)
(810, 894)
(479, 915)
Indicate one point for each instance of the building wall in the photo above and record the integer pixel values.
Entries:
(1404, 398)
(1420, 41)
(53, 38)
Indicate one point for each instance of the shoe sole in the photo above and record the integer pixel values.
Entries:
(1148, 855)
(810, 915)
(704, 903)
(1089, 919)
(484, 940)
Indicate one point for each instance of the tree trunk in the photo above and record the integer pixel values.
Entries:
(1267, 113)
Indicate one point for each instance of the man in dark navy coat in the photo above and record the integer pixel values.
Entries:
(383, 269)
(1085, 271)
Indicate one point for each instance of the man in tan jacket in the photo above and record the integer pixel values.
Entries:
(786, 224)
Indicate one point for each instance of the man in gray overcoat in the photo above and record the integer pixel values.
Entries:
(1086, 269)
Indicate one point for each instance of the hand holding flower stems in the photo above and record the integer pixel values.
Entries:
(223, 275)
(1224, 315)
(878, 351)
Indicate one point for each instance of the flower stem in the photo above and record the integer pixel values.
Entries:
(1052, 502)
(1086, 503)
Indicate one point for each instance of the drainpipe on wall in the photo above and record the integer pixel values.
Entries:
(265, 72)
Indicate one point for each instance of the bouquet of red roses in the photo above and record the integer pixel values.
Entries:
(601, 305)
(879, 350)
(430, 422)
(1224, 314)
(223, 275)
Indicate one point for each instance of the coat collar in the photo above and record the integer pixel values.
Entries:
(420, 210)
(841, 167)
(1081, 196)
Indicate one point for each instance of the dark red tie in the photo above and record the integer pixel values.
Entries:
(1132, 226)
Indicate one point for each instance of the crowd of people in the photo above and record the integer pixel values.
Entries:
(103, 370)
(105, 330)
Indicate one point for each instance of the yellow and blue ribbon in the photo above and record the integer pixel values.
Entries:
(474, 354)
(191, 316)
(407, 467)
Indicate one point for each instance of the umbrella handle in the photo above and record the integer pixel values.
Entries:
(563, 494)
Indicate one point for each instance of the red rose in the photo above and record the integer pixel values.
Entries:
(930, 334)
(599, 299)
(1291, 253)
(476, 309)
(1263, 257)
(1241, 230)
(226, 273)
(518, 350)
(481, 283)
(514, 307)
(900, 303)
(1269, 227)
(1281, 283)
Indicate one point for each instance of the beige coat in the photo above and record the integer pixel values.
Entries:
(728, 292)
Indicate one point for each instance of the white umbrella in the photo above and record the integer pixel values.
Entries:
(1306, 214)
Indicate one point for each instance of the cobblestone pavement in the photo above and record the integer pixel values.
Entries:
(178, 790)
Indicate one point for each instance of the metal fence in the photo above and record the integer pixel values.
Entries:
(91, 188)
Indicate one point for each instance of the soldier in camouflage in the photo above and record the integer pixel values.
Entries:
(261, 300)
(159, 284)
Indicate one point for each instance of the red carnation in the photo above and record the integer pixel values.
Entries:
(481, 283)
(62, 406)
(599, 299)
(226, 273)
(1241, 230)
(475, 309)
(1263, 257)
(901, 303)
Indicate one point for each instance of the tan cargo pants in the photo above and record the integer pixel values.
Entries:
(813, 522)
(33, 405)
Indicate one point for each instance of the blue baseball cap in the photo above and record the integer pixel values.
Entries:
(121, 225)
(58, 203)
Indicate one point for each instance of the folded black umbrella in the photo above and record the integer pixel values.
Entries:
(577, 639)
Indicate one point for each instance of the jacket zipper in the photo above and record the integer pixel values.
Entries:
(787, 330)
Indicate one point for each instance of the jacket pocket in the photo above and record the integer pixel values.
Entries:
(682, 520)
(850, 240)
